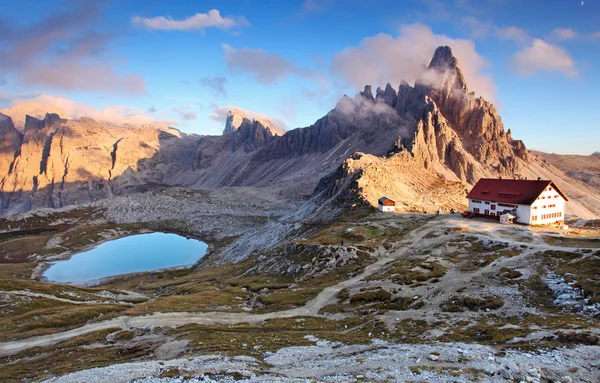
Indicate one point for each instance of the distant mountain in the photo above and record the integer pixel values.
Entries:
(595, 153)
(421, 145)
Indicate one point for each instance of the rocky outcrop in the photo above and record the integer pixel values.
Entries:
(58, 162)
(237, 118)
(250, 135)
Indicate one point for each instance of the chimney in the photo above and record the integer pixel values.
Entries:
(539, 178)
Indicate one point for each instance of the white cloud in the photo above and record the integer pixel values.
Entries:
(45, 103)
(384, 58)
(562, 34)
(512, 33)
(265, 67)
(481, 29)
(595, 35)
(199, 21)
(542, 56)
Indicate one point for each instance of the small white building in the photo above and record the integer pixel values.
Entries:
(386, 204)
(532, 202)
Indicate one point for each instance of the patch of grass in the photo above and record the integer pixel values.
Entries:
(508, 273)
(458, 304)
(371, 296)
(409, 271)
(49, 320)
(572, 242)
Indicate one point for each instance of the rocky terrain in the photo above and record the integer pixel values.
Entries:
(436, 127)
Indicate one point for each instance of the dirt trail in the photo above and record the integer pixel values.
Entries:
(65, 300)
(176, 319)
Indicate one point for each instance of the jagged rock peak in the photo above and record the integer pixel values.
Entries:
(6, 123)
(367, 93)
(51, 118)
(445, 64)
(443, 59)
(236, 118)
(32, 123)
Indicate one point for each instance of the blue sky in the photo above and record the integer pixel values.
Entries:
(187, 63)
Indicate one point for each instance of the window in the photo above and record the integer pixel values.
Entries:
(549, 188)
(534, 218)
(543, 207)
(476, 201)
(493, 207)
(487, 202)
(492, 214)
(507, 195)
(476, 210)
(556, 196)
(543, 197)
(535, 208)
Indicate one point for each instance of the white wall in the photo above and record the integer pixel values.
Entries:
(526, 213)
(548, 198)
(386, 208)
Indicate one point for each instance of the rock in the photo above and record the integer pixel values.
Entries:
(433, 357)
(490, 369)
(512, 366)
(566, 379)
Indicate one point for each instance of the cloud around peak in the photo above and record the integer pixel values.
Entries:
(199, 21)
(384, 58)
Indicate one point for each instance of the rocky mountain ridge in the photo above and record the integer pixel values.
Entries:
(433, 133)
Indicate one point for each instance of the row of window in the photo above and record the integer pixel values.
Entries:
(544, 207)
(476, 201)
(544, 197)
(547, 216)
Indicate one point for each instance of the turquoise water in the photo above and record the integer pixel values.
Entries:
(136, 253)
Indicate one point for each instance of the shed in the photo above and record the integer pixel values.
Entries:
(386, 204)
(507, 218)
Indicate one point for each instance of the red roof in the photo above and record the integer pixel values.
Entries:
(520, 192)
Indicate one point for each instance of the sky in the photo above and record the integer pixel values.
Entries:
(185, 64)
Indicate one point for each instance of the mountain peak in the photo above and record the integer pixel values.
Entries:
(446, 70)
(236, 117)
(443, 59)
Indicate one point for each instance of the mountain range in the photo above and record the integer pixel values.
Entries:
(422, 145)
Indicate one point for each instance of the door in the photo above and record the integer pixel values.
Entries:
(487, 212)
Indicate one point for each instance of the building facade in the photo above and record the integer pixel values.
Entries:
(537, 202)
(386, 204)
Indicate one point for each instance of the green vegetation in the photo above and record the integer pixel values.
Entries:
(379, 295)
(582, 242)
(409, 271)
(458, 304)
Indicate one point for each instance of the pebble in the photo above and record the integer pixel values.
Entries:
(433, 357)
